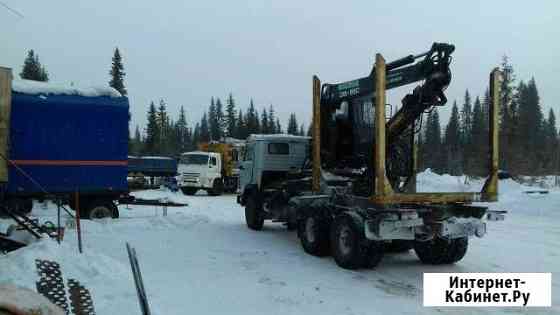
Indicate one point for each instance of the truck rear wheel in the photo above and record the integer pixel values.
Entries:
(189, 190)
(349, 246)
(439, 251)
(313, 233)
(217, 188)
(253, 214)
(100, 209)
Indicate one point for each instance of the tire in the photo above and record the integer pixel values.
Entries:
(313, 232)
(217, 188)
(439, 251)
(253, 214)
(349, 246)
(189, 190)
(398, 246)
(100, 209)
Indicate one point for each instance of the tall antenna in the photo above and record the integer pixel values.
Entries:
(11, 10)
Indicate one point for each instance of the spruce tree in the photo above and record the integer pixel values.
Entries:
(182, 132)
(432, 144)
(252, 119)
(32, 68)
(195, 140)
(271, 120)
(152, 131)
(479, 142)
(466, 130)
(452, 143)
(301, 130)
(508, 129)
(230, 116)
(220, 123)
(258, 129)
(212, 120)
(278, 127)
(264, 122)
(117, 73)
(292, 125)
(204, 129)
(551, 158)
(241, 126)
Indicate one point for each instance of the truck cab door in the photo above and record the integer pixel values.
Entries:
(246, 167)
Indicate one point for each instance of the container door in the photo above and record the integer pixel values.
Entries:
(5, 106)
(246, 167)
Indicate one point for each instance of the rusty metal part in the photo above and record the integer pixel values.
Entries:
(81, 302)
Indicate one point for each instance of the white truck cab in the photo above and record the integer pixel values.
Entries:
(200, 170)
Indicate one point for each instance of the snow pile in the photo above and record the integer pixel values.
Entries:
(44, 88)
(162, 194)
(18, 267)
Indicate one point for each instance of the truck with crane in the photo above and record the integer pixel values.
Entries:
(350, 190)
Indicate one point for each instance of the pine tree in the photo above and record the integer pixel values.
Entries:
(152, 131)
(32, 68)
(292, 125)
(230, 116)
(117, 73)
(452, 143)
(531, 129)
(310, 130)
(301, 130)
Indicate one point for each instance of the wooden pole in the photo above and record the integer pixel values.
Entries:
(316, 135)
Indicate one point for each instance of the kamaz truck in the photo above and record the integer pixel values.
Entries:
(350, 190)
(213, 168)
(59, 142)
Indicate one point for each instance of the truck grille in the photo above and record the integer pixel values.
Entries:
(190, 176)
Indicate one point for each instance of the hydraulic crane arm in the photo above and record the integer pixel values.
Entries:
(433, 67)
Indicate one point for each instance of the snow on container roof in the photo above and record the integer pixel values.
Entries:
(48, 88)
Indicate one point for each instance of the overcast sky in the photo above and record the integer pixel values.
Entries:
(187, 51)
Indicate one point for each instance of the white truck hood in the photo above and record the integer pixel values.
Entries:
(192, 168)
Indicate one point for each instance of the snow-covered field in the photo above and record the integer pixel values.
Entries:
(202, 259)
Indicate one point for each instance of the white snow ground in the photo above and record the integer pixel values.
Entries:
(202, 259)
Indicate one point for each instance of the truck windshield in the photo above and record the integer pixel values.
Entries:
(199, 159)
